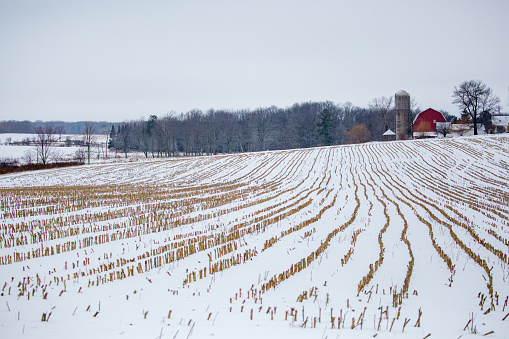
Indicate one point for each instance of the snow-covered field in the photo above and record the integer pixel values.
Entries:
(59, 150)
(398, 239)
(18, 137)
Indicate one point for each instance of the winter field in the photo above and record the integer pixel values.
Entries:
(59, 152)
(398, 239)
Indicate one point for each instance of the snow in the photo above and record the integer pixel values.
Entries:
(18, 137)
(292, 235)
(500, 120)
(60, 151)
(19, 152)
(8, 151)
(402, 93)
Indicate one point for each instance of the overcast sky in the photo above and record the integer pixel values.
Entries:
(123, 60)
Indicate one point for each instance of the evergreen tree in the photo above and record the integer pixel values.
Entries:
(113, 135)
(325, 126)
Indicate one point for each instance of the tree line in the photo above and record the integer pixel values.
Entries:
(59, 127)
(302, 125)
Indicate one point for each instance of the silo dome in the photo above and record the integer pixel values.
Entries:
(402, 93)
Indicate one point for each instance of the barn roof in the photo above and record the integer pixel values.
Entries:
(427, 110)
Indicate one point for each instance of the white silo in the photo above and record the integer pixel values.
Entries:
(403, 116)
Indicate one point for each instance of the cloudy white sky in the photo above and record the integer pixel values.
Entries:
(120, 60)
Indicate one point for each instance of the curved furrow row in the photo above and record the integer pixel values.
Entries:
(328, 237)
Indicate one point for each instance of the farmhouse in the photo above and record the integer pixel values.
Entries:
(500, 124)
(425, 123)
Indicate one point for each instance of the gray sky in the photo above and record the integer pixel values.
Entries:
(122, 60)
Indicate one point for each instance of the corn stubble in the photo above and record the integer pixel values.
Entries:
(82, 224)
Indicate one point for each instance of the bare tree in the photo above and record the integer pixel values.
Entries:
(166, 135)
(474, 98)
(88, 137)
(303, 119)
(59, 130)
(142, 134)
(245, 133)
(80, 155)
(383, 108)
(28, 157)
(414, 106)
(225, 124)
(261, 125)
(124, 137)
(192, 133)
(44, 139)
(444, 128)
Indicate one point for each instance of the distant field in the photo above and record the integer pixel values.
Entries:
(18, 137)
(389, 239)
(59, 152)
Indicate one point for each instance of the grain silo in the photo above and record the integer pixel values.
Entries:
(403, 116)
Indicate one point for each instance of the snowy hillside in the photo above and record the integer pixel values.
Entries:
(406, 239)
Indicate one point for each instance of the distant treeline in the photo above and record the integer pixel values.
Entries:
(302, 125)
(62, 127)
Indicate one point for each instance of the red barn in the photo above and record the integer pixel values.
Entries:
(425, 123)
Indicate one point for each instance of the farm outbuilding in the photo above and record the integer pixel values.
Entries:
(389, 135)
(500, 123)
(425, 123)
